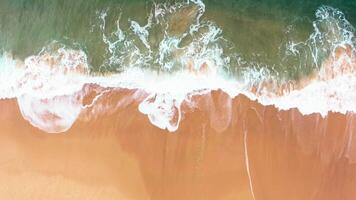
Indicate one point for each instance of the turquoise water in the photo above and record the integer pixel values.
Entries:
(278, 38)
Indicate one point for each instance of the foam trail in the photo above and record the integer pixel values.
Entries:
(248, 165)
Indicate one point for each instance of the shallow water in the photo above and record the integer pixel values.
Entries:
(177, 99)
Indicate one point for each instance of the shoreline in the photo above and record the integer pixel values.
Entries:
(121, 154)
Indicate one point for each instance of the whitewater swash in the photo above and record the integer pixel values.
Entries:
(54, 79)
(224, 149)
(259, 107)
(53, 86)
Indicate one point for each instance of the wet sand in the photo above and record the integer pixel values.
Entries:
(224, 149)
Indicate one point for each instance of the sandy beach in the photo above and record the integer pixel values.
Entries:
(257, 152)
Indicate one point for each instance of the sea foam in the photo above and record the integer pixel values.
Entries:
(50, 91)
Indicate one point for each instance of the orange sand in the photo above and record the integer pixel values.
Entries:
(120, 155)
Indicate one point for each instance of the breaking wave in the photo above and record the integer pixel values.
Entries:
(175, 56)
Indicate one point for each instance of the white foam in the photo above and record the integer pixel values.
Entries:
(49, 86)
(55, 106)
(10, 75)
(46, 87)
(54, 115)
(337, 95)
(163, 111)
(168, 92)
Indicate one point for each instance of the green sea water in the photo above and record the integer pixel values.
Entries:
(283, 38)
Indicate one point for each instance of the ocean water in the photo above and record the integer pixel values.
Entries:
(276, 52)
(214, 99)
(290, 55)
(250, 34)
